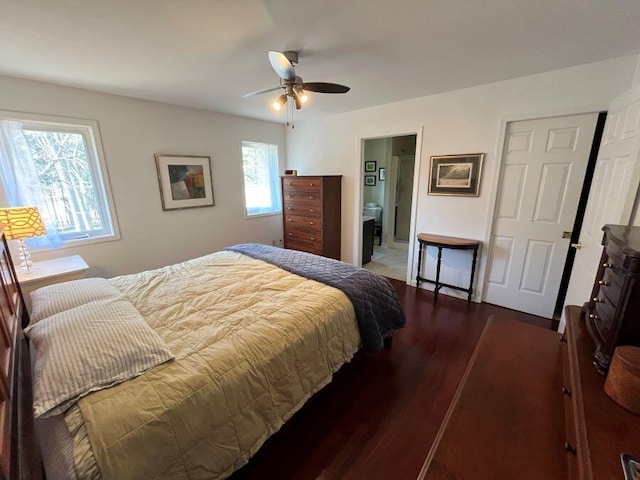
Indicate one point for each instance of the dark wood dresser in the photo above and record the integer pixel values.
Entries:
(613, 312)
(598, 430)
(312, 214)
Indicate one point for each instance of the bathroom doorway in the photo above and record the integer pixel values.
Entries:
(388, 170)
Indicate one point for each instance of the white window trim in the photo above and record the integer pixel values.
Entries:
(102, 172)
(244, 197)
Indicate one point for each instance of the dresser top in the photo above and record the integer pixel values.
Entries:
(624, 236)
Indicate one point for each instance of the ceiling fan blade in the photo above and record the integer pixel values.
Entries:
(282, 65)
(322, 87)
(262, 91)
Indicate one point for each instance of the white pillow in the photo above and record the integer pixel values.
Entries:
(88, 348)
(52, 299)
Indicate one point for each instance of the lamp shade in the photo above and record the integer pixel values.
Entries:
(21, 222)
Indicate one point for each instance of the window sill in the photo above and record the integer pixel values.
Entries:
(258, 215)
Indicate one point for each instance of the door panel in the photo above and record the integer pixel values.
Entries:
(536, 266)
(510, 204)
(544, 164)
(552, 193)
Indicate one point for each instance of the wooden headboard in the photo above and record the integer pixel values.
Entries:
(19, 457)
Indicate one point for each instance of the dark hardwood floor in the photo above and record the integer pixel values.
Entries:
(379, 416)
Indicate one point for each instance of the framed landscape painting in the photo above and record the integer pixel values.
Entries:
(456, 174)
(185, 181)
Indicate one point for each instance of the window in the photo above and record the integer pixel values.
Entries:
(261, 179)
(58, 168)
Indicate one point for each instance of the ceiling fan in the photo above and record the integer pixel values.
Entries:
(293, 86)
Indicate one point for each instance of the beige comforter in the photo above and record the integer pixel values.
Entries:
(252, 343)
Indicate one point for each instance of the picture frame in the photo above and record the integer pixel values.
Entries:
(370, 166)
(185, 181)
(382, 174)
(370, 180)
(457, 175)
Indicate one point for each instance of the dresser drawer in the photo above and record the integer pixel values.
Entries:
(609, 292)
(307, 236)
(315, 249)
(302, 210)
(308, 184)
(302, 222)
(302, 196)
(604, 321)
(571, 442)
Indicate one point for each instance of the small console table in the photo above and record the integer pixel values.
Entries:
(440, 241)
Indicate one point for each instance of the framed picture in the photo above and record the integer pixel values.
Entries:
(370, 180)
(185, 181)
(456, 174)
(370, 166)
(381, 174)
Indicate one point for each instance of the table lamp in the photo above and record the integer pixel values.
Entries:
(20, 223)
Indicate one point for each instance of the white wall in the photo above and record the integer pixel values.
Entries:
(377, 150)
(132, 131)
(463, 121)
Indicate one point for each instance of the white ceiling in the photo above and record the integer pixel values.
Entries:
(208, 53)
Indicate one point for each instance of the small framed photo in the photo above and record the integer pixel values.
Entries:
(370, 166)
(370, 180)
(185, 181)
(381, 174)
(456, 174)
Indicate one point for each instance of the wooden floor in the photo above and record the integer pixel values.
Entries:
(379, 416)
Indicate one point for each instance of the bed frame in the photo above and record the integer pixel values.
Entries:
(19, 455)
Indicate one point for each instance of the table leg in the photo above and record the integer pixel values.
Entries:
(419, 264)
(438, 274)
(473, 271)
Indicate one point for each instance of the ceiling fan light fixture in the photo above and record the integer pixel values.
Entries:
(279, 102)
(302, 95)
(297, 101)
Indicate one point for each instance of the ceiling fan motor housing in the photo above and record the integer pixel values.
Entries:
(291, 56)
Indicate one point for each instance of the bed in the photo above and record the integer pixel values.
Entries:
(233, 344)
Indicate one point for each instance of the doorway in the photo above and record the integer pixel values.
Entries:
(388, 166)
(543, 172)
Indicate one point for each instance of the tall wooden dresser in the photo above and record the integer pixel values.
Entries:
(612, 311)
(311, 214)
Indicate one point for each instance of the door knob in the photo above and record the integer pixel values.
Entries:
(577, 246)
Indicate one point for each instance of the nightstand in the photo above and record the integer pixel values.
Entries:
(48, 272)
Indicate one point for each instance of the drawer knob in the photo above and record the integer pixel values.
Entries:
(569, 448)
(310, 223)
(312, 238)
(288, 220)
(566, 391)
(593, 316)
(288, 208)
(608, 265)
(603, 283)
(311, 210)
(310, 197)
(291, 234)
(311, 184)
(598, 300)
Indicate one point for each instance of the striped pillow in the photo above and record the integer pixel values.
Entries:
(52, 299)
(88, 348)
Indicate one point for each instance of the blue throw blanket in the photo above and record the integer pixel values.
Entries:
(374, 300)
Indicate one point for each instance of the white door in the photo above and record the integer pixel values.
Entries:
(543, 169)
(613, 191)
